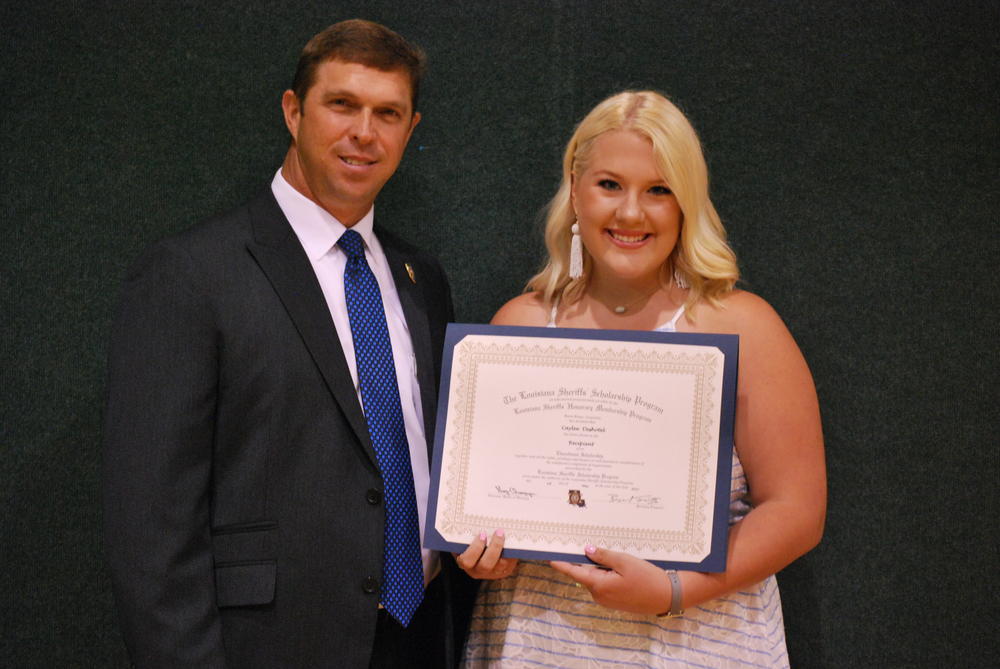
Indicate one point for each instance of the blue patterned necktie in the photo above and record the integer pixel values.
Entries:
(402, 573)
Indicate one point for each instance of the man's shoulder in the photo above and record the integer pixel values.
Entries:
(234, 226)
(211, 243)
(391, 240)
(230, 229)
(393, 244)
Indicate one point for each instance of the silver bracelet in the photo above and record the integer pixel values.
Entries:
(675, 610)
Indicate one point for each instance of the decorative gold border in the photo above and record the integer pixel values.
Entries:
(469, 354)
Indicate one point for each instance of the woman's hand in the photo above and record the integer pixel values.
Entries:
(484, 562)
(630, 584)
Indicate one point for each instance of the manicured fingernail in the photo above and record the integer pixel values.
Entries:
(499, 533)
(589, 550)
(482, 536)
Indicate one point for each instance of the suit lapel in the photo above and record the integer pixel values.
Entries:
(280, 255)
(415, 311)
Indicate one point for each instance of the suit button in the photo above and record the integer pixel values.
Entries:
(370, 585)
(373, 496)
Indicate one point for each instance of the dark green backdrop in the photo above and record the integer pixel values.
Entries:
(854, 156)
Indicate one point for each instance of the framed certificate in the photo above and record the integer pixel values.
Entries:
(566, 437)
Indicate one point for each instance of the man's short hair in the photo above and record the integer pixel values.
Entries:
(366, 43)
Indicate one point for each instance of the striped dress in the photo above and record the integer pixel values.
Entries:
(538, 618)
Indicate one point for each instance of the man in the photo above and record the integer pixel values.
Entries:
(272, 386)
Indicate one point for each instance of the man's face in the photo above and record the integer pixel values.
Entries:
(349, 136)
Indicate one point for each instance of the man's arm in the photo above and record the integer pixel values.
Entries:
(159, 424)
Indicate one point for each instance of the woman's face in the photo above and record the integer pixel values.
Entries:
(629, 218)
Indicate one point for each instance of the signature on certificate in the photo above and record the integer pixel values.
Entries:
(640, 501)
(512, 493)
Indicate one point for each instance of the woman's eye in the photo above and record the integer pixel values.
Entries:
(608, 184)
(660, 190)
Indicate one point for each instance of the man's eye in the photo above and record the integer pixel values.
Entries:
(390, 113)
(608, 184)
(660, 190)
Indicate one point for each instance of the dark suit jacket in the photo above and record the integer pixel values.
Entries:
(243, 515)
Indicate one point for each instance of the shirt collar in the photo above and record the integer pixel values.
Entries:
(317, 229)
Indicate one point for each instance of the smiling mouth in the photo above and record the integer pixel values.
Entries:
(356, 162)
(634, 238)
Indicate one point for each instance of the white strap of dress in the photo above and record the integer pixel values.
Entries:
(671, 325)
(552, 314)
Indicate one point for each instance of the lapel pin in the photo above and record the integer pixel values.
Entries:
(409, 270)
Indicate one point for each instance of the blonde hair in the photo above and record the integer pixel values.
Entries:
(702, 257)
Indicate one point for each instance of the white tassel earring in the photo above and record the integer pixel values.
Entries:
(575, 253)
(679, 280)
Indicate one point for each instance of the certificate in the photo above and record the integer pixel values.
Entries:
(566, 437)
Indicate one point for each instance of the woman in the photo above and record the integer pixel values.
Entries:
(635, 243)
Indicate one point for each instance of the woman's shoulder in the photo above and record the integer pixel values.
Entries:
(736, 311)
(767, 347)
(525, 309)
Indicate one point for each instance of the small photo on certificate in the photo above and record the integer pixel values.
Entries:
(569, 437)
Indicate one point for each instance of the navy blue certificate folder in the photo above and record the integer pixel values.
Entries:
(699, 345)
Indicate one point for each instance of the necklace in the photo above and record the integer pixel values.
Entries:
(622, 308)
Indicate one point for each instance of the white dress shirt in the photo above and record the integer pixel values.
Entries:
(318, 232)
